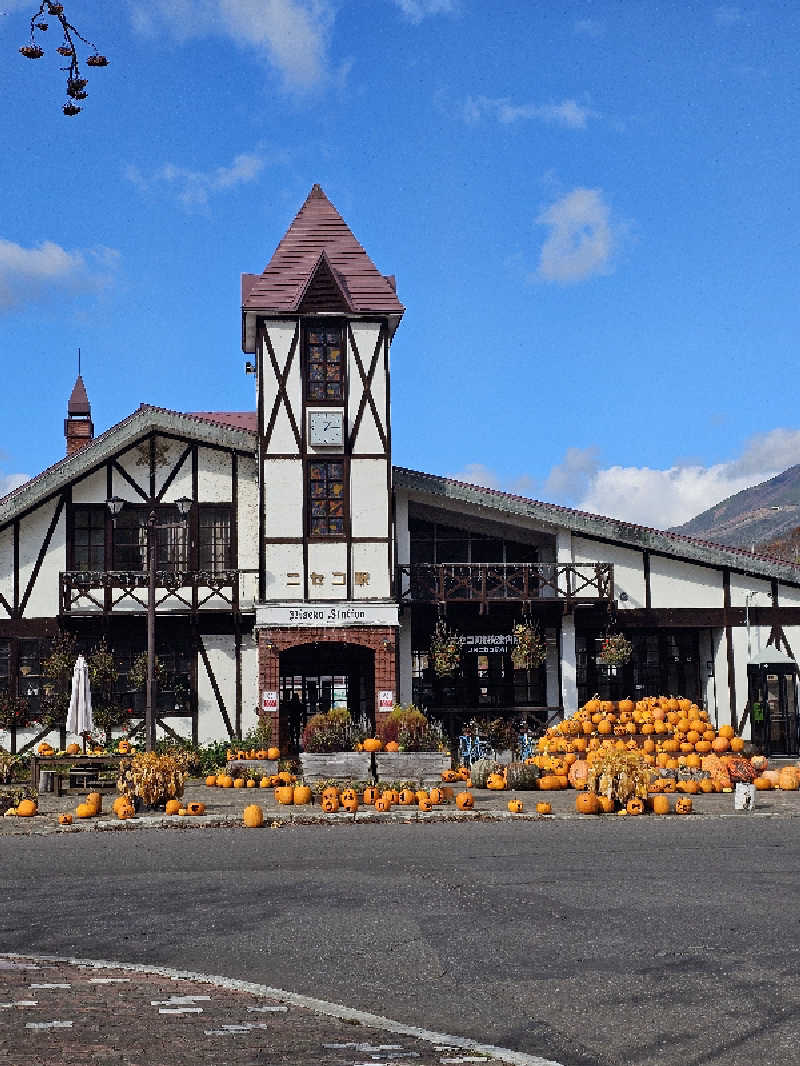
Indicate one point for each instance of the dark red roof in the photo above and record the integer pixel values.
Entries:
(318, 229)
(237, 419)
(79, 401)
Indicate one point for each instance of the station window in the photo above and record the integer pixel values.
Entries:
(324, 363)
(326, 499)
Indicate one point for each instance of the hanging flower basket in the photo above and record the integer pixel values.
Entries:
(615, 651)
(529, 651)
(445, 650)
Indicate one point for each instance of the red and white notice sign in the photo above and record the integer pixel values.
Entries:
(386, 700)
(269, 702)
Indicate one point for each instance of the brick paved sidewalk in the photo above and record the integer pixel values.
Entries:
(66, 1013)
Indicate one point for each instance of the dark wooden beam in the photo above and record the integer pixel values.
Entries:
(40, 557)
(215, 686)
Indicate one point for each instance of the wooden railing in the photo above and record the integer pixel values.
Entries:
(106, 590)
(486, 583)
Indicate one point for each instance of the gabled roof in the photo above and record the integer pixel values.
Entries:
(627, 534)
(319, 228)
(222, 429)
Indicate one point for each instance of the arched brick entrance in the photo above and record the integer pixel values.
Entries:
(380, 641)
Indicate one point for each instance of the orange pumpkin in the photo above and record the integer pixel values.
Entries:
(763, 784)
(172, 806)
(195, 808)
(392, 745)
(371, 794)
(372, 744)
(382, 805)
(253, 816)
(285, 795)
(635, 805)
(515, 806)
(465, 801)
(407, 797)
(26, 808)
(301, 794)
(683, 805)
(238, 782)
(425, 805)
(65, 819)
(587, 803)
(549, 783)
(330, 804)
(273, 754)
(659, 804)
(436, 796)
(544, 808)
(211, 781)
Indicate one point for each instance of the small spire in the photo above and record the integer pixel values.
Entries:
(79, 401)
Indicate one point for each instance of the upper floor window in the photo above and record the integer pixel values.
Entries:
(130, 539)
(214, 548)
(326, 499)
(324, 351)
(89, 538)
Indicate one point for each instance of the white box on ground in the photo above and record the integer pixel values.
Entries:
(744, 797)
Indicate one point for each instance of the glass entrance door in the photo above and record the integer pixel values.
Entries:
(774, 711)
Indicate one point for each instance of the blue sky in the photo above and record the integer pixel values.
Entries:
(591, 210)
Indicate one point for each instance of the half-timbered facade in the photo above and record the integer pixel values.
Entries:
(310, 573)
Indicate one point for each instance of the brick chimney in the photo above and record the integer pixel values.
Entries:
(78, 425)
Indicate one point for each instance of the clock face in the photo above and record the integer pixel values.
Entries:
(326, 428)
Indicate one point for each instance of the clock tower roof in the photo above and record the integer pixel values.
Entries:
(318, 258)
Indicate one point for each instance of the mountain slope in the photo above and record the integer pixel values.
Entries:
(760, 515)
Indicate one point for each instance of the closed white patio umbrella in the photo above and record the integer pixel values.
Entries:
(79, 718)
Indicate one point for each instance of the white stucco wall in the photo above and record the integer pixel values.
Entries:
(283, 440)
(674, 583)
(7, 568)
(283, 497)
(743, 585)
(628, 568)
(282, 560)
(214, 475)
(368, 439)
(168, 454)
(372, 559)
(91, 489)
(328, 560)
(788, 596)
(369, 498)
(43, 600)
(222, 658)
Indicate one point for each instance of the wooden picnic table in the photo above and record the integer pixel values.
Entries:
(85, 768)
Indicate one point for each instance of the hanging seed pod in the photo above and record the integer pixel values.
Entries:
(97, 61)
(79, 94)
(71, 109)
(65, 50)
(32, 51)
(41, 25)
(55, 9)
(75, 87)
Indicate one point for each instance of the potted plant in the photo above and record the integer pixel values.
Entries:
(528, 651)
(329, 747)
(616, 650)
(421, 755)
(445, 653)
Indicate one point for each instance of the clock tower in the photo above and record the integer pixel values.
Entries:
(319, 321)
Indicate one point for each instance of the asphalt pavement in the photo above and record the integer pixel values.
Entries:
(635, 941)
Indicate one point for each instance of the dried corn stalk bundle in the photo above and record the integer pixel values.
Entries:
(153, 778)
(621, 775)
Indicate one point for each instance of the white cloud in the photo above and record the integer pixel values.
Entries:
(194, 187)
(582, 238)
(649, 496)
(589, 27)
(417, 10)
(9, 482)
(568, 113)
(725, 15)
(293, 35)
(29, 275)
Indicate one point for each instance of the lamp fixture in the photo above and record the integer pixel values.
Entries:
(184, 505)
(249, 368)
(115, 505)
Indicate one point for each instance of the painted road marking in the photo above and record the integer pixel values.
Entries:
(20, 1003)
(318, 1006)
(277, 1008)
(109, 980)
(48, 1025)
(53, 984)
(180, 1010)
(178, 1001)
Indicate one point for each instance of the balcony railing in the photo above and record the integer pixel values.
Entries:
(190, 590)
(490, 583)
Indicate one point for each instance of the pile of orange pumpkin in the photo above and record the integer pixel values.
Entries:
(671, 734)
(270, 754)
(226, 780)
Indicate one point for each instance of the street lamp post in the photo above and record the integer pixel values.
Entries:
(184, 505)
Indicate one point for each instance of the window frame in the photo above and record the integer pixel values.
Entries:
(340, 461)
(98, 509)
(213, 565)
(318, 325)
